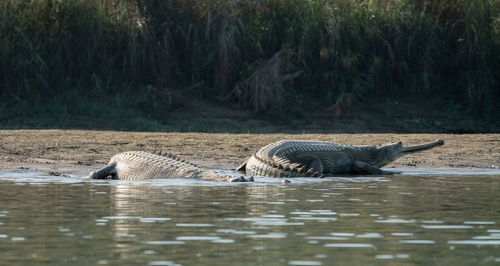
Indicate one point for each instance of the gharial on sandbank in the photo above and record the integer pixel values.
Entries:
(286, 158)
(294, 158)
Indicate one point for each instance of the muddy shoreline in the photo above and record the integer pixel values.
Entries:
(78, 151)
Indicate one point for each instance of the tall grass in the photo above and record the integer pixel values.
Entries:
(90, 50)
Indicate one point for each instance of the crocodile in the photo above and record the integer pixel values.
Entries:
(140, 165)
(294, 158)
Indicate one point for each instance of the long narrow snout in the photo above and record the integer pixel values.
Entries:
(417, 148)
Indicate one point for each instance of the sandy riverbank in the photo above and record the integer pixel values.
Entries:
(77, 151)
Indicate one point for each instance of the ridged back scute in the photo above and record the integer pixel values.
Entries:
(282, 155)
(176, 158)
(257, 167)
(144, 165)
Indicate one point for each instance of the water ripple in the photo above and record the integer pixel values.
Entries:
(349, 245)
(304, 262)
(164, 242)
(475, 242)
(197, 238)
(269, 235)
(163, 262)
(479, 222)
(418, 242)
(193, 225)
(447, 226)
(396, 221)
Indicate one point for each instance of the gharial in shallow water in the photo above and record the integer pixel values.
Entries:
(140, 165)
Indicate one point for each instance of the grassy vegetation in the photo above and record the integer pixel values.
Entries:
(123, 64)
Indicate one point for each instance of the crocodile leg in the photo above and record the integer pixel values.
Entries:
(243, 166)
(108, 170)
(312, 163)
(362, 167)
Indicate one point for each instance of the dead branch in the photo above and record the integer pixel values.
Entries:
(263, 90)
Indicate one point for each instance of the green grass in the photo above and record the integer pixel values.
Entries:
(69, 63)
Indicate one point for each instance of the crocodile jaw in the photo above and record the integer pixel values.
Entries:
(417, 148)
(392, 151)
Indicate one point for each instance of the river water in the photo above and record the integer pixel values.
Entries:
(414, 218)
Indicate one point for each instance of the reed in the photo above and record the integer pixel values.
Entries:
(90, 50)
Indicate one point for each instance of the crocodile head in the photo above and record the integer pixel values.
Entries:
(387, 153)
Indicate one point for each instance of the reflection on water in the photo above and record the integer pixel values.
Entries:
(425, 219)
